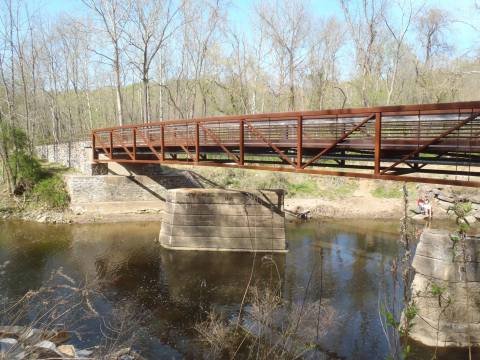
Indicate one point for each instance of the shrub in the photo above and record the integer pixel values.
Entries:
(303, 188)
(22, 168)
(51, 193)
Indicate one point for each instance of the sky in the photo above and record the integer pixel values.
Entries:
(461, 10)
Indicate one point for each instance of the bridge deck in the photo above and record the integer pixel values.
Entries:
(389, 143)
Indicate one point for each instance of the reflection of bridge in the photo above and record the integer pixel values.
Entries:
(442, 140)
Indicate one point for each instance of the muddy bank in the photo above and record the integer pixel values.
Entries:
(70, 217)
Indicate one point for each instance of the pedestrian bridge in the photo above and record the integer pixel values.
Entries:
(431, 143)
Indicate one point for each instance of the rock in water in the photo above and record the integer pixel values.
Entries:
(7, 345)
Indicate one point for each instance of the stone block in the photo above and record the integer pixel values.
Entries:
(446, 291)
(99, 169)
(212, 219)
(225, 220)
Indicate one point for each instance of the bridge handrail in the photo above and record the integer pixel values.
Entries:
(394, 110)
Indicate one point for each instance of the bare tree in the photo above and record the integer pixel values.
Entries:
(407, 11)
(199, 39)
(432, 26)
(153, 23)
(113, 16)
(365, 29)
(287, 25)
(323, 68)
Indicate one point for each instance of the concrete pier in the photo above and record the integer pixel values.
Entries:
(446, 296)
(223, 220)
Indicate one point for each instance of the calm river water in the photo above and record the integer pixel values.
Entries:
(176, 289)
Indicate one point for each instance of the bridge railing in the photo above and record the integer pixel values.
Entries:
(395, 139)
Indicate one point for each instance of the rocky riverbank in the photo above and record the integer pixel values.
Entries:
(23, 342)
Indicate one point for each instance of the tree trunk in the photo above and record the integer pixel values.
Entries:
(118, 87)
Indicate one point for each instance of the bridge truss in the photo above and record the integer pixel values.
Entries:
(430, 143)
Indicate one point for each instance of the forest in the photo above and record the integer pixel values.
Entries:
(130, 61)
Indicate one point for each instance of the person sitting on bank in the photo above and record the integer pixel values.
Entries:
(421, 205)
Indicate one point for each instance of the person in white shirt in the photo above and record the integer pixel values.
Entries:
(427, 206)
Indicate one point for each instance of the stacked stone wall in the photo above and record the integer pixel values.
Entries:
(76, 155)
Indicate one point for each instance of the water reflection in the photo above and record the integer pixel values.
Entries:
(341, 262)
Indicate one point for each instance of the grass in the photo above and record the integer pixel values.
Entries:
(295, 185)
(50, 192)
(46, 191)
(387, 192)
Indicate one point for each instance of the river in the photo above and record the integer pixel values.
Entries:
(346, 263)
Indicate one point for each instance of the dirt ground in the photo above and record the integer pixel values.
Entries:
(359, 205)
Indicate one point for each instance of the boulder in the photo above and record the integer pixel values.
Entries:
(67, 350)
(84, 353)
(471, 219)
(45, 350)
(7, 345)
(45, 344)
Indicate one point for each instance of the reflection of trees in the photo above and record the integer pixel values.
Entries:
(32, 251)
(216, 277)
(177, 287)
(354, 256)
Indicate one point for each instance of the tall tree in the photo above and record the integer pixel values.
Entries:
(113, 16)
(364, 24)
(287, 24)
(153, 22)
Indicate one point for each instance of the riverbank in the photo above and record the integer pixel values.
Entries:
(307, 196)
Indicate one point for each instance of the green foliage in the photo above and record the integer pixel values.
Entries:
(455, 238)
(461, 209)
(307, 187)
(410, 312)
(28, 167)
(406, 351)
(50, 192)
(23, 168)
(43, 188)
(438, 291)
(389, 318)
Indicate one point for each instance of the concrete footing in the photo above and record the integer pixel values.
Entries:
(223, 220)
(446, 296)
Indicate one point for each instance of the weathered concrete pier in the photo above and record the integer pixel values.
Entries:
(446, 290)
(223, 220)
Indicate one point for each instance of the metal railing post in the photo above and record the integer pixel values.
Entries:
(197, 143)
(162, 142)
(242, 142)
(94, 147)
(378, 142)
(111, 144)
(134, 135)
(299, 142)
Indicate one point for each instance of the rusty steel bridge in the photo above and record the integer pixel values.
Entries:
(430, 143)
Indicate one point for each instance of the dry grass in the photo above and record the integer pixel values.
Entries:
(271, 328)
